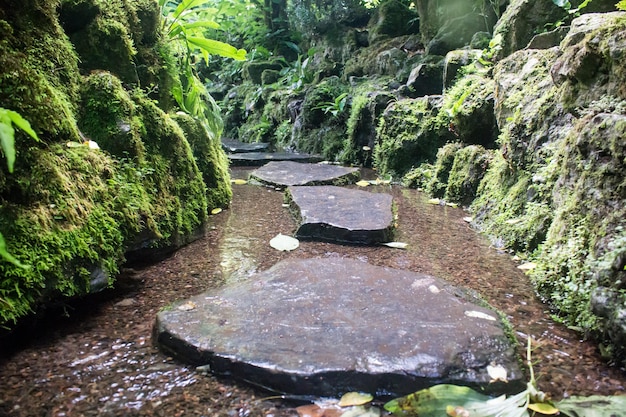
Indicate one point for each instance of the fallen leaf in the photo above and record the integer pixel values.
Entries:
(497, 373)
(513, 221)
(284, 243)
(355, 398)
(363, 183)
(468, 219)
(239, 181)
(543, 408)
(453, 205)
(435, 201)
(92, 145)
(366, 148)
(479, 315)
(188, 306)
(397, 245)
(216, 210)
(527, 266)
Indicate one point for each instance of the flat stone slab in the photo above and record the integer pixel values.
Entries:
(344, 215)
(235, 146)
(262, 158)
(285, 173)
(327, 326)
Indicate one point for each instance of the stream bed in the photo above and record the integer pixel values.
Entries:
(95, 357)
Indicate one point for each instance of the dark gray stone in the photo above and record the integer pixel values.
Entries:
(285, 173)
(262, 158)
(332, 325)
(235, 146)
(343, 215)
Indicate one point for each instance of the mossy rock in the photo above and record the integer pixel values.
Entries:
(211, 160)
(109, 116)
(393, 18)
(253, 71)
(442, 167)
(409, 133)
(468, 169)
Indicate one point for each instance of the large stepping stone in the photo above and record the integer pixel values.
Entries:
(235, 146)
(344, 215)
(328, 326)
(285, 173)
(262, 158)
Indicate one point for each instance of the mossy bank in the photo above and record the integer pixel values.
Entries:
(91, 70)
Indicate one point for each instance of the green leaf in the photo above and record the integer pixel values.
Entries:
(593, 406)
(4, 253)
(439, 399)
(621, 5)
(22, 123)
(7, 140)
(211, 46)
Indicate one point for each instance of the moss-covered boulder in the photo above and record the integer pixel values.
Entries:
(72, 211)
(409, 133)
(392, 19)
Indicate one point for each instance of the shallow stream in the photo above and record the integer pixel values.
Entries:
(100, 361)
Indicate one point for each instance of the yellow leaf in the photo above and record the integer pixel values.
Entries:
(216, 210)
(543, 408)
(527, 266)
(434, 201)
(363, 183)
(239, 181)
(355, 398)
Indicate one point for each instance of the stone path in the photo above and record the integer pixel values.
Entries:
(256, 154)
(332, 325)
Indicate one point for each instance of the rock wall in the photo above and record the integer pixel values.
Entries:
(95, 70)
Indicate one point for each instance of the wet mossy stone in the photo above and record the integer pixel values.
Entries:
(331, 318)
(109, 116)
(409, 133)
(391, 19)
(468, 169)
(442, 168)
(211, 160)
(253, 71)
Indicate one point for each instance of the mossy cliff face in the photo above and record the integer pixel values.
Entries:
(555, 191)
(73, 213)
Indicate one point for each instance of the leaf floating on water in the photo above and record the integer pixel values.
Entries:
(497, 373)
(239, 181)
(527, 266)
(434, 201)
(363, 183)
(188, 306)
(216, 210)
(355, 398)
(397, 245)
(479, 315)
(453, 205)
(366, 148)
(284, 243)
(468, 219)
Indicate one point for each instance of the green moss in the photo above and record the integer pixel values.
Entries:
(38, 69)
(419, 177)
(443, 165)
(88, 207)
(408, 134)
(109, 116)
(211, 161)
(468, 110)
(178, 191)
(468, 169)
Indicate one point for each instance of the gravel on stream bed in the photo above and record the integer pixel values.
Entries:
(95, 357)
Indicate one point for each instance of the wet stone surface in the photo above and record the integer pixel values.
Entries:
(286, 173)
(345, 215)
(262, 158)
(235, 146)
(325, 326)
